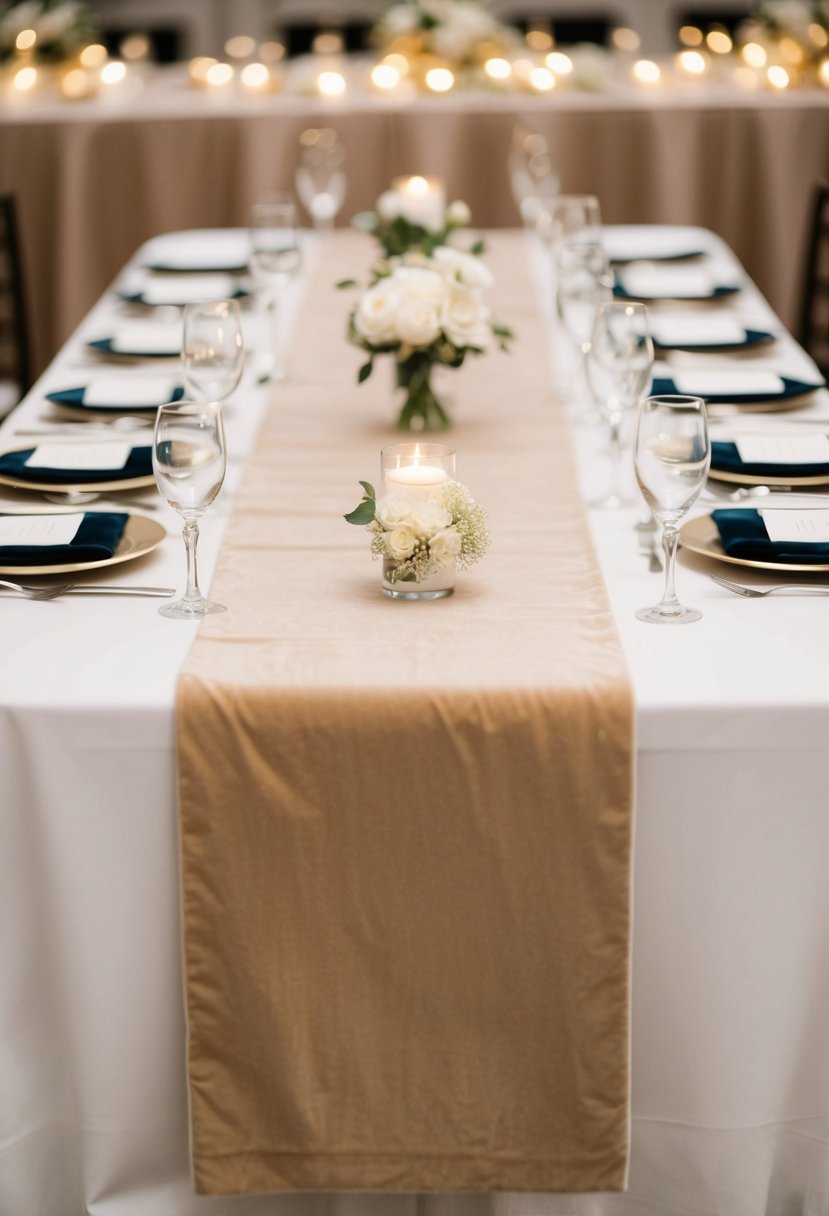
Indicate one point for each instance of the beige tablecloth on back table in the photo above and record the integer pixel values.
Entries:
(406, 826)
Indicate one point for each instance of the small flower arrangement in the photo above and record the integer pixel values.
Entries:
(398, 234)
(61, 30)
(461, 33)
(425, 311)
(419, 535)
(796, 30)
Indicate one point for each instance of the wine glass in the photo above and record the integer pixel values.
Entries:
(619, 365)
(574, 215)
(212, 349)
(672, 458)
(533, 179)
(583, 282)
(320, 177)
(189, 465)
(275, 259)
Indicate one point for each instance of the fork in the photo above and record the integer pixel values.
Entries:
(755, 592)
(38, 593)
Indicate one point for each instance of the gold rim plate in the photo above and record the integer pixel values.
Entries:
(731, 409)
(72, 487)
(141, 535)
(700, 535)
(751, 479)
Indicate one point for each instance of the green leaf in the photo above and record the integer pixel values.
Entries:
(369, 489)
(365, 371)
(363, 514)
(479, 247)
(346, 283)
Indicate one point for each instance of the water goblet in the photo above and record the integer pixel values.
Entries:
(619, 365)
(320, 177)
(672, 457)
(275, 259)
(189, 464)
(212, 349)
(583, 282)
(533, 179)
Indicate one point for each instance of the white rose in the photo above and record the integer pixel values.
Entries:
(418, 322)
(444, 547)
(376, 313)
(420, 283)
(426, 518)
(395, 508)
(464, 267)
(465, 319)
(387, 206)
(458, 214)
(399, 543)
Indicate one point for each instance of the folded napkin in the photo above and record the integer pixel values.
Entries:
(13, 464)
(96, 540)
(181, 289)
(722, 394)
(147, 339)
(211, 249)
(725, 458)
(743, 534)
(644, 281)
(114, 394)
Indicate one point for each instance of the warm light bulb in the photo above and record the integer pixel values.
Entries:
(75, 84)
(25, 79)
(823, 73)
(399, 62)
(559, 63)
(331, 84)
(690, 35)
(439, 80)
(542, 79)
(498, 69)
(25, 40)
(646, 71)
(818, 35)
(384, 76)
(255, 76)
(135, 46)
(241, 46)
(719, 41)
(113, 72)
(93, 56)
(539, 40)
(754, 55)
(777, 77)
(625, 39)
(218, 75)
(692, 62)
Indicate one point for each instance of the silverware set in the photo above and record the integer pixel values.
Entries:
(53, 591)
(752, 593)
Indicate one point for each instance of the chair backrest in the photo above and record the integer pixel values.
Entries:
(15, 359)
(813, 328)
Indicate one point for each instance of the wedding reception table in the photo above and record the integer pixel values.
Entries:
(730, 1077)
(95, 178)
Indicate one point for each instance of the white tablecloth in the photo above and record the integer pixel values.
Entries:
(730, 963)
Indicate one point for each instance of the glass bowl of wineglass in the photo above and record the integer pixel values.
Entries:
(212, 349)
(189, 462)
(275, 260)
(672, 455)
(320, 175)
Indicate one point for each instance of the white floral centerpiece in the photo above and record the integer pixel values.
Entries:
(425, 311)
(60, 29)
(421, 536)
(399, 231)
(796, 30)
(459, 33)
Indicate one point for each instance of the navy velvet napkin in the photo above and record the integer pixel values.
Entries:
(75, 396)
(95, 540)
(743, 534)
(139, 464)
(724, 456)
(791, 388)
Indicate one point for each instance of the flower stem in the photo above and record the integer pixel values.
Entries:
(422, 410)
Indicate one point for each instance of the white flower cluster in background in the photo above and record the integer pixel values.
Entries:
(60, 29)
(426, 301)
(420, 535)
(452, 29)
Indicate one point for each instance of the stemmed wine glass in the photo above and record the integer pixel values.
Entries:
(672, 458)
(583, 282)
(189, 464)
(320, 176)
(533, 179)
(213, 349)
(619, 365)
(275, 259)
(574, 216)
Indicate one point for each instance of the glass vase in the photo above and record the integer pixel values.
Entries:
(422, 409)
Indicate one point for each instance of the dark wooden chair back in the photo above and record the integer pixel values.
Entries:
(813, 327)
(15, 357)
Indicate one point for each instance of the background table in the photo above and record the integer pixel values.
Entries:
(730, 959)
(96, 178)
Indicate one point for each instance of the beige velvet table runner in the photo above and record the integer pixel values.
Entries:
(406, 827)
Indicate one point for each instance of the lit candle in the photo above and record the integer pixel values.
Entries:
(385, 77)
(256, 78)
(777, 77)
(692, 63)
(331, 84)
(439, 80)
(415, 477)
(647, 72)
(420, 200)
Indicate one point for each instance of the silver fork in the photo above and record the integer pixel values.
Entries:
(755, 592)
(38, 593)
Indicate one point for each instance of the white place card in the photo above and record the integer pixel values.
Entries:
(690, 329)
(668, 282)
(147, 337)
(187, 288)
(101, 456)
(39, 529)
(783, 449)
(208, 249)
(805, 527)
(129, 390)
(710, 382)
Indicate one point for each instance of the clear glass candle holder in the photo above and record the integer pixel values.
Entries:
(422, 469)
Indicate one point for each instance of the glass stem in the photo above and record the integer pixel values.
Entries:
(190, 534)
(615, 456)
(670, 536)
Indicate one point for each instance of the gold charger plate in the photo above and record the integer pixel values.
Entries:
(140, 536)
(701, 536)
(730, 409)
(71, 487)
(751, 479)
